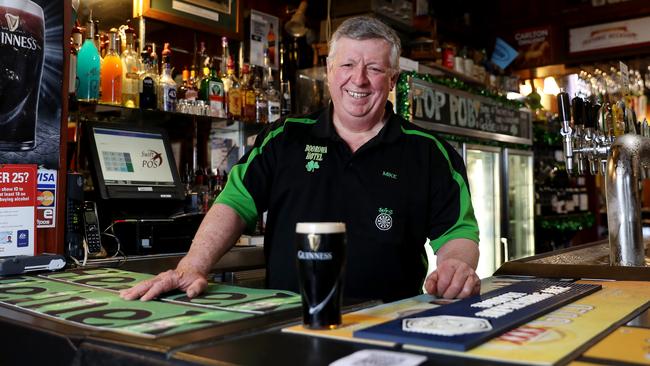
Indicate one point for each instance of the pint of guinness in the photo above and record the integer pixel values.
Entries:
(320, 253)
(21, 65)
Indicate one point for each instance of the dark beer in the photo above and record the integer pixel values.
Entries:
(21, 65)
(321, 260)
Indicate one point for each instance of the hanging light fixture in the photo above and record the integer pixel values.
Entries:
(296, 25)
(550, 86)
(525, 88)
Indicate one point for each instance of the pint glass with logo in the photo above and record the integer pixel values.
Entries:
(321, 255)
(22, 43)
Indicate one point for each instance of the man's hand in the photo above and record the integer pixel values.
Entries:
(217, 234)
(455, 275)
(453, 279)
(192, 282)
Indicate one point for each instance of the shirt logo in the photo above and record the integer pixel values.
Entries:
(12, 21)
(389, 175)
(384, 220)
(314, 154)
(312, 166)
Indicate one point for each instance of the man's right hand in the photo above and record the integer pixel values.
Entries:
(192, 282)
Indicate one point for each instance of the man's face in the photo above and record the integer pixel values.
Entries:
(360, 78)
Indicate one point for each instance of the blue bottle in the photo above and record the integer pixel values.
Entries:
(88, 65)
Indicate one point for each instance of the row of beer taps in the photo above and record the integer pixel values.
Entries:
(609, 139)
(589, 135)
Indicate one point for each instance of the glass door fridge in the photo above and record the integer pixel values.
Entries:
(518, 210)
(484, 174)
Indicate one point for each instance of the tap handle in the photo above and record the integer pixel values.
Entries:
(578, 108)
(587, 113)
(565, 110)
(602, 115)
(593, 115)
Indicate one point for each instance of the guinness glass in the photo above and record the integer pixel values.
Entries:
(21, 65)
(320, 255)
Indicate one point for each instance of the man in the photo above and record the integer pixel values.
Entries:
(357, 162)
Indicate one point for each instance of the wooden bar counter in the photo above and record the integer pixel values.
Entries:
(592, 330)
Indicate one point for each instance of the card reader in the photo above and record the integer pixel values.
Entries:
(25, 263)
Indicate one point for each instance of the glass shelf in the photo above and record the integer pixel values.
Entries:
(100, 112)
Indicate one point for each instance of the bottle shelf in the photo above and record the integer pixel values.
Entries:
(101, 112)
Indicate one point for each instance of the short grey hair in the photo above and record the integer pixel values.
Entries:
(365, 27)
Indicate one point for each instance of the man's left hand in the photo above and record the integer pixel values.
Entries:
(455, 276)
(453, 279)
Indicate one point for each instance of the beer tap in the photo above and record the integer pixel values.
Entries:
(566, 132)
(579, 136)
(592, 137)
(607, 137)
(630, 120)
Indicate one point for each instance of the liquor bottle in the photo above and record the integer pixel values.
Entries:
(212, 92)
(188, 89)
(148, 85)
(192, 92)
(261, 102)
(285, 83)
(234, 92)
(88, 66)
(182, 89)
(111, 73)
(153, 56)
(166, 53)
(97, 37)
(167, 90)
(104, 42)
(204, 61)
(75, 46)
(270, 45)
(272, 94)
(131, 72)
(247, 95)
(225, 54)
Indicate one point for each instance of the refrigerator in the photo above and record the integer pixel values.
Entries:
(501, 184)
(483, 164)
(495, 141)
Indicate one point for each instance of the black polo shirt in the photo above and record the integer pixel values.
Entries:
(403, 186)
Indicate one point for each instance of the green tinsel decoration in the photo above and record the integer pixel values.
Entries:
(403, 107)
(574, 222)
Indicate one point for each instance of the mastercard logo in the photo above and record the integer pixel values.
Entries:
(45, 198)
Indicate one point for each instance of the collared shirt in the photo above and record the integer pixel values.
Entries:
(401, 187)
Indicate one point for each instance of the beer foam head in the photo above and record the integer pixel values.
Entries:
(24, 5)
(320, 227)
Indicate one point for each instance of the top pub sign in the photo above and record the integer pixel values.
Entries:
(447, 110)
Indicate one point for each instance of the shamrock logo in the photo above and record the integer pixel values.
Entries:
(312, 165)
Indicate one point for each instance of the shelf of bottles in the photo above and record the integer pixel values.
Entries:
(111, 80)
(138, 80)
(561, 201)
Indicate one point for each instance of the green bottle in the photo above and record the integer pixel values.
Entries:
(213, 93)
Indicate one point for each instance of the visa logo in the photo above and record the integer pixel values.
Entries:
(46, 177)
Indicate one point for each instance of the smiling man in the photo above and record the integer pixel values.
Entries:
(393, 184)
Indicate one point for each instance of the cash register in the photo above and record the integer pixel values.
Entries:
(139, 193)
